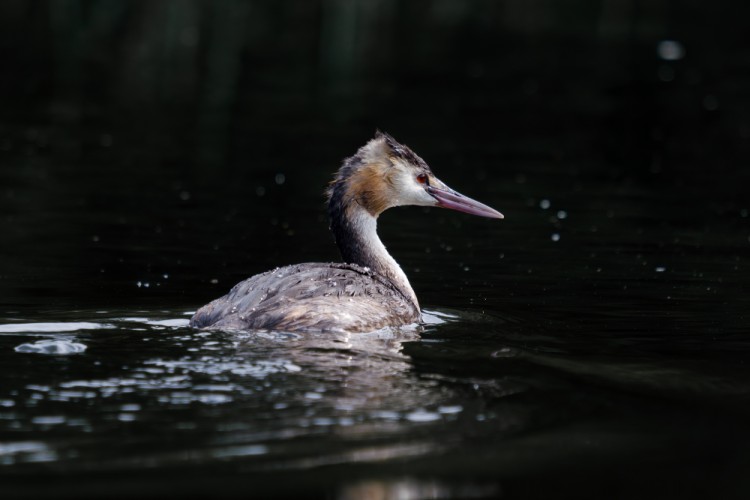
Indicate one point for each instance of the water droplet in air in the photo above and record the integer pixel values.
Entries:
(670, 50)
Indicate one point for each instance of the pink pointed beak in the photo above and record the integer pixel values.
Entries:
(448, 198)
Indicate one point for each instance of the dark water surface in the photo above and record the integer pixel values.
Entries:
(594, 344)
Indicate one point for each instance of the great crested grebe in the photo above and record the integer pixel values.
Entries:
(369, 290)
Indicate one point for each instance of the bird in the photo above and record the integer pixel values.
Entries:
(368, 291)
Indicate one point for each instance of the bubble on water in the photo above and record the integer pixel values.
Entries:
(38, 388)
(213, 399)
(51, 346)
(545, 204)
(48, 420)
(385, 415)
(449, 410)
(562, 214)
(216, 366)
(555, 237)
(9, 449)
(240, 451)
(422, 416)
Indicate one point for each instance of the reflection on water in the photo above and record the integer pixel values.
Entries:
(413, 489)
(281, 387)
(147, 391)
(46, 328)
(25, 452)
(616, 348)
(50, 346)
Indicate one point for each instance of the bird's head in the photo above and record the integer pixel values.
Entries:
(385, 174)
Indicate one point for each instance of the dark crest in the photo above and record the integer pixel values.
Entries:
(401, 151)
(394, 149)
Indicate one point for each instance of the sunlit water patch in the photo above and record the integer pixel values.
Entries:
(279, 402)
(59, 342)
(25, 452)
(258, 391)
(53, 327)
(52, 346)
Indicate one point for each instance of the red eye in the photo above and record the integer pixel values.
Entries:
(422, 178)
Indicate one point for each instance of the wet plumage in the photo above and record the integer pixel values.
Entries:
(369, 290)
(315, 296)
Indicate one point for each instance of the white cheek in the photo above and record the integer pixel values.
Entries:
(424, 198)
(410, 192)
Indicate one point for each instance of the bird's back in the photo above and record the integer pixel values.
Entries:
(310, 297)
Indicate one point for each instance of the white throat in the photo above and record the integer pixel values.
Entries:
(365, 226)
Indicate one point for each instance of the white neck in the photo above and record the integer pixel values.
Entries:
(373, 254)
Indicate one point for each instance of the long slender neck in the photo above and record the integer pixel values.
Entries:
(355, 230)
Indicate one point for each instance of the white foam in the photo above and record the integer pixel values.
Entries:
(51, 327)
(51, 346)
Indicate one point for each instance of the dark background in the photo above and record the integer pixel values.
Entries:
(154, 153)
(122, 122)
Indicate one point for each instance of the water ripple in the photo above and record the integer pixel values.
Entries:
(52, 346)
(53, 327)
